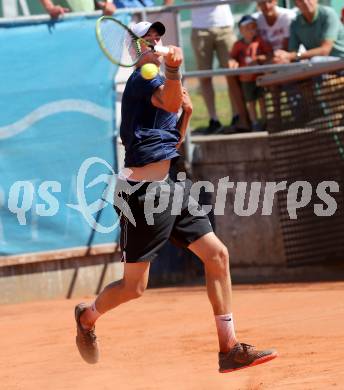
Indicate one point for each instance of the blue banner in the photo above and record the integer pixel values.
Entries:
(57, 141)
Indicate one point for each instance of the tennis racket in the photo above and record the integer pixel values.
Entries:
(121, 45)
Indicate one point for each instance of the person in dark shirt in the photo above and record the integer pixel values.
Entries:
(153, 209)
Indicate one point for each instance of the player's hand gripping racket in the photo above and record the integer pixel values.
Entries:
(121, 45)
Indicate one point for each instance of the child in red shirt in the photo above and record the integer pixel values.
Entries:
(250, 50)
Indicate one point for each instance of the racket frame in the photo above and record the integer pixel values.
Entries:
(136, 39)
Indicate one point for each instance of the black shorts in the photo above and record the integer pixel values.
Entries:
(153, 212)
(251, 91)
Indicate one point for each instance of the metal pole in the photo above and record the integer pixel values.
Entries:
(187, 141)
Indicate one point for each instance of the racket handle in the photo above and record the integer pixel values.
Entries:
(163, 50)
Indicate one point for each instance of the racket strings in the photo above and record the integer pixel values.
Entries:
(119, 43)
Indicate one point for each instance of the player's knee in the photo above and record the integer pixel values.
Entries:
(137, 291)
(224, 257)
(220, 259)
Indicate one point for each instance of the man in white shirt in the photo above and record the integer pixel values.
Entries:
(212, 32)
(274, 23)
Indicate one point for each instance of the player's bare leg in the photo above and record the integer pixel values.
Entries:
(216, 265)
(132, 286)
(233, 355)
(216, 262)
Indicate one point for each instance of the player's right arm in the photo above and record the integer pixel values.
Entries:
(169, 96)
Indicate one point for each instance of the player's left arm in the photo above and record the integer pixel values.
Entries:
(169, 96)
(184, 120)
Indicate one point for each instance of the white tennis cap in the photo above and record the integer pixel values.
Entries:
(141, 28)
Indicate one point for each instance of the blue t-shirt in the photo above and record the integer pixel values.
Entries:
(134, 3)
(148, 133)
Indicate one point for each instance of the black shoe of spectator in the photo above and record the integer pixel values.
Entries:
(235, 120)
(214, 127)
(264, 125)
(235, 127)
(256, 126)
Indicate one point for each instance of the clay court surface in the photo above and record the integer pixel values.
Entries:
(166, 340)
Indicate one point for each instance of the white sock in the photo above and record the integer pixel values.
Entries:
(93, 313)
(225, 331)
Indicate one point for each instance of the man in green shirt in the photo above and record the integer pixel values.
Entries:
(62, 6)
(318, 29)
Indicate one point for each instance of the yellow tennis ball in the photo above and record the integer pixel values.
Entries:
(149, 71)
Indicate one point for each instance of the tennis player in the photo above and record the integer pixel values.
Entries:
(152, 133)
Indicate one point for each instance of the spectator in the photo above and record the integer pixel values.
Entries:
(273, 23)
(212, 32)
(318, 29)
(59, 9)
(250, 50)
(134, 3)
(342, 18)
